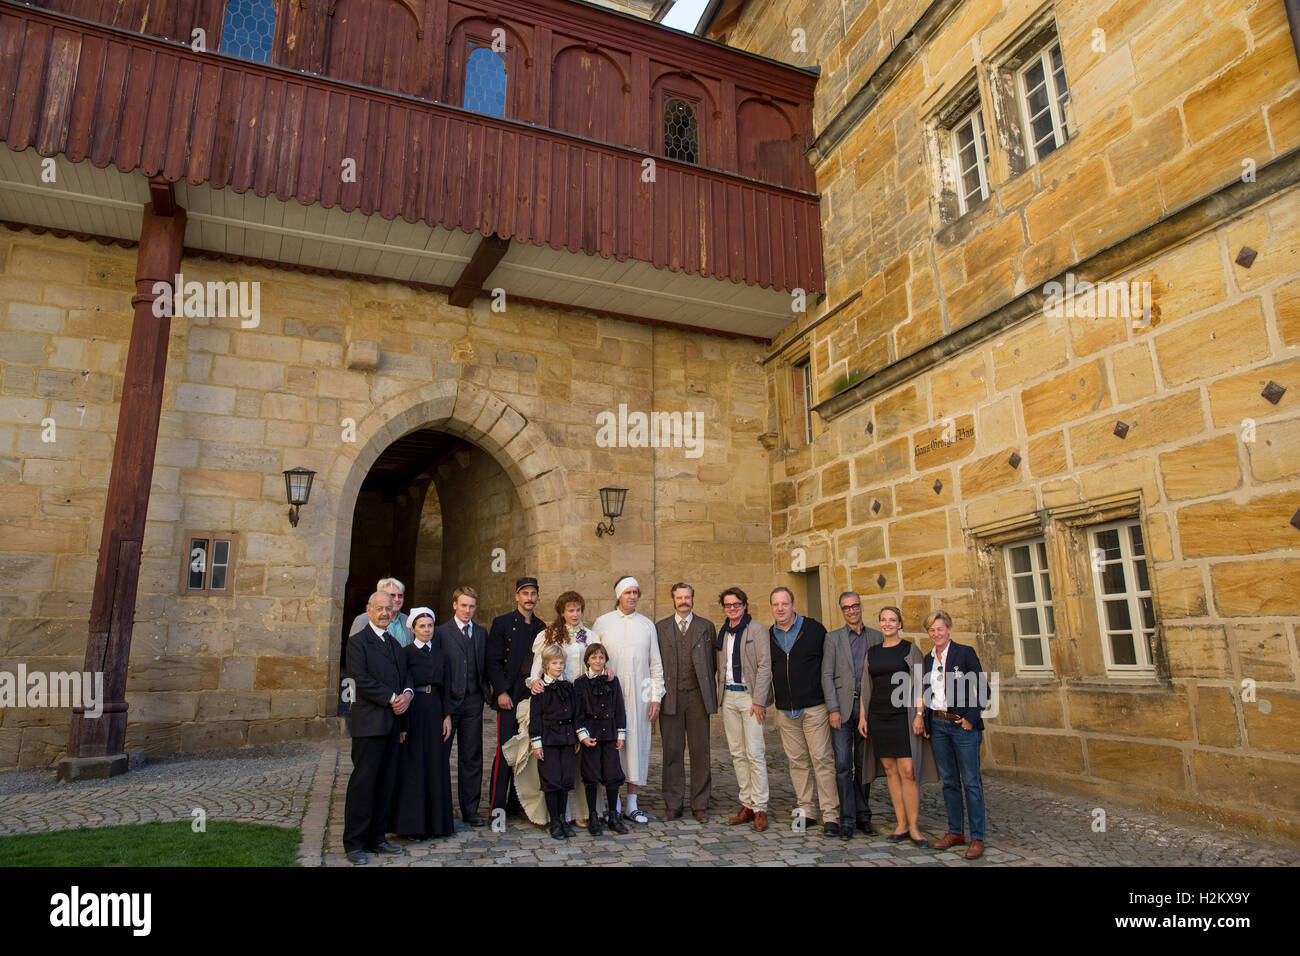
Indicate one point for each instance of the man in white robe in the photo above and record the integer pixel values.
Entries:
(633, 649)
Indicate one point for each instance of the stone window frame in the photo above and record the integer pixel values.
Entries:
(1076, 651)
(231, 539)
(1003, 71)
(941, 132)
(1073, 525)
(1042, 603)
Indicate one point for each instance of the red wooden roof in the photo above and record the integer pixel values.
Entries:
(95, 92)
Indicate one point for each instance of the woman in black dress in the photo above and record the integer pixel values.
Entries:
(423, 806)
(889, 719)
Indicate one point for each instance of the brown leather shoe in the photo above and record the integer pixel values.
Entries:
(743, 815)
(949, 841)
(702, 816)
(760, 821)
(671, 815)
(975, 850)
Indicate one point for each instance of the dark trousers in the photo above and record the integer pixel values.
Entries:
(368, 804)
(467, 728)
(503, 777)
(850, 752)
(689, 724)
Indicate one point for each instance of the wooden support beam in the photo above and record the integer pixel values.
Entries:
(97, 743)
(491, 250)
(163, 196)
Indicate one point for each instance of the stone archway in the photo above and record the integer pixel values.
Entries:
(478, 416)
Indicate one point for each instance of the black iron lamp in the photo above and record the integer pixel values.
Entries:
(611, 502)
(297, 487)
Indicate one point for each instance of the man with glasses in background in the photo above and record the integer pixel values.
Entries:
(842, 665)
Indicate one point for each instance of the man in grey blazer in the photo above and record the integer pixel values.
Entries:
(745, 694)
(686, 645)
(842, 664)
(463, 643)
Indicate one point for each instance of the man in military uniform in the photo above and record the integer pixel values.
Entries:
(509, 659)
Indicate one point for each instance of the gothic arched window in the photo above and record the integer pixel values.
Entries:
(681, 132)
(248, 29)
(485, 82)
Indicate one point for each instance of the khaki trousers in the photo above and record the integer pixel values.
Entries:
(807, 743)
(748, 748)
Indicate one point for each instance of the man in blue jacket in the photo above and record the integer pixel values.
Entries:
(952, 697)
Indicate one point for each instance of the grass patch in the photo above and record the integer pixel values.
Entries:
(156, 844)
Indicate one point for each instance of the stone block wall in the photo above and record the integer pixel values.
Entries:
(241, 405)
(908, 493)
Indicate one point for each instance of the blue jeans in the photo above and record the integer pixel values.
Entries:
(850, 749)
(957, 752)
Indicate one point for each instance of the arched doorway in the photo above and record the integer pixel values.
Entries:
(449, 419)
(436, 512)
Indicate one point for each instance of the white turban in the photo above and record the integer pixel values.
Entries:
(623, 585)
(417, 612)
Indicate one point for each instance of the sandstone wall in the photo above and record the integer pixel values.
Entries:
(1174, 102)
(241, 405)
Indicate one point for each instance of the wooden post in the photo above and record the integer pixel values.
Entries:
(97, 745)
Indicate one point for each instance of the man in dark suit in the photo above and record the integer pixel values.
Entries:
(842, 666)
(509, 661)
(690, 696)
(952, 688)
(463, 644)
(377, 669)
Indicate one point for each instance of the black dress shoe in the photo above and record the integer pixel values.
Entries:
(475, 821)
(569, 828)
(593, 825)
(866, 829)
(386, 848)
(832, 829)
(846, 832)
(615, 823)
(557, 830)
(358, 857)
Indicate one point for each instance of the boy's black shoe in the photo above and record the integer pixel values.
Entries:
(557, 830)
(593, 825)
(569, 828)
(615, 824)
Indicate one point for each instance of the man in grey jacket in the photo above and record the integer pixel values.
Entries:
(745, 692)
(842, 666)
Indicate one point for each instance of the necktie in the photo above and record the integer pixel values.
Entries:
(468, 635)
(683, 626)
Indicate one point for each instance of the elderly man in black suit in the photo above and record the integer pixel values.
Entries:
(690, 696)
(463, 644)
(377, 669)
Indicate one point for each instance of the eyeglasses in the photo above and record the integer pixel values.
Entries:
(732, 607)
(850, 607)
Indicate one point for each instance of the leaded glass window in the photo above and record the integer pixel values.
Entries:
(485, 82)
(248, 29)
(681, 132)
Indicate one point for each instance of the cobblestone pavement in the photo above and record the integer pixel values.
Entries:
(259, 785)
(1028, 826)
(302, 785)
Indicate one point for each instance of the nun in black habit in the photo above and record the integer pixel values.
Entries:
(423, 807)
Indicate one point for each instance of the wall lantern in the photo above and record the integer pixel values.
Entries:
(611, 502)
(297, 487)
